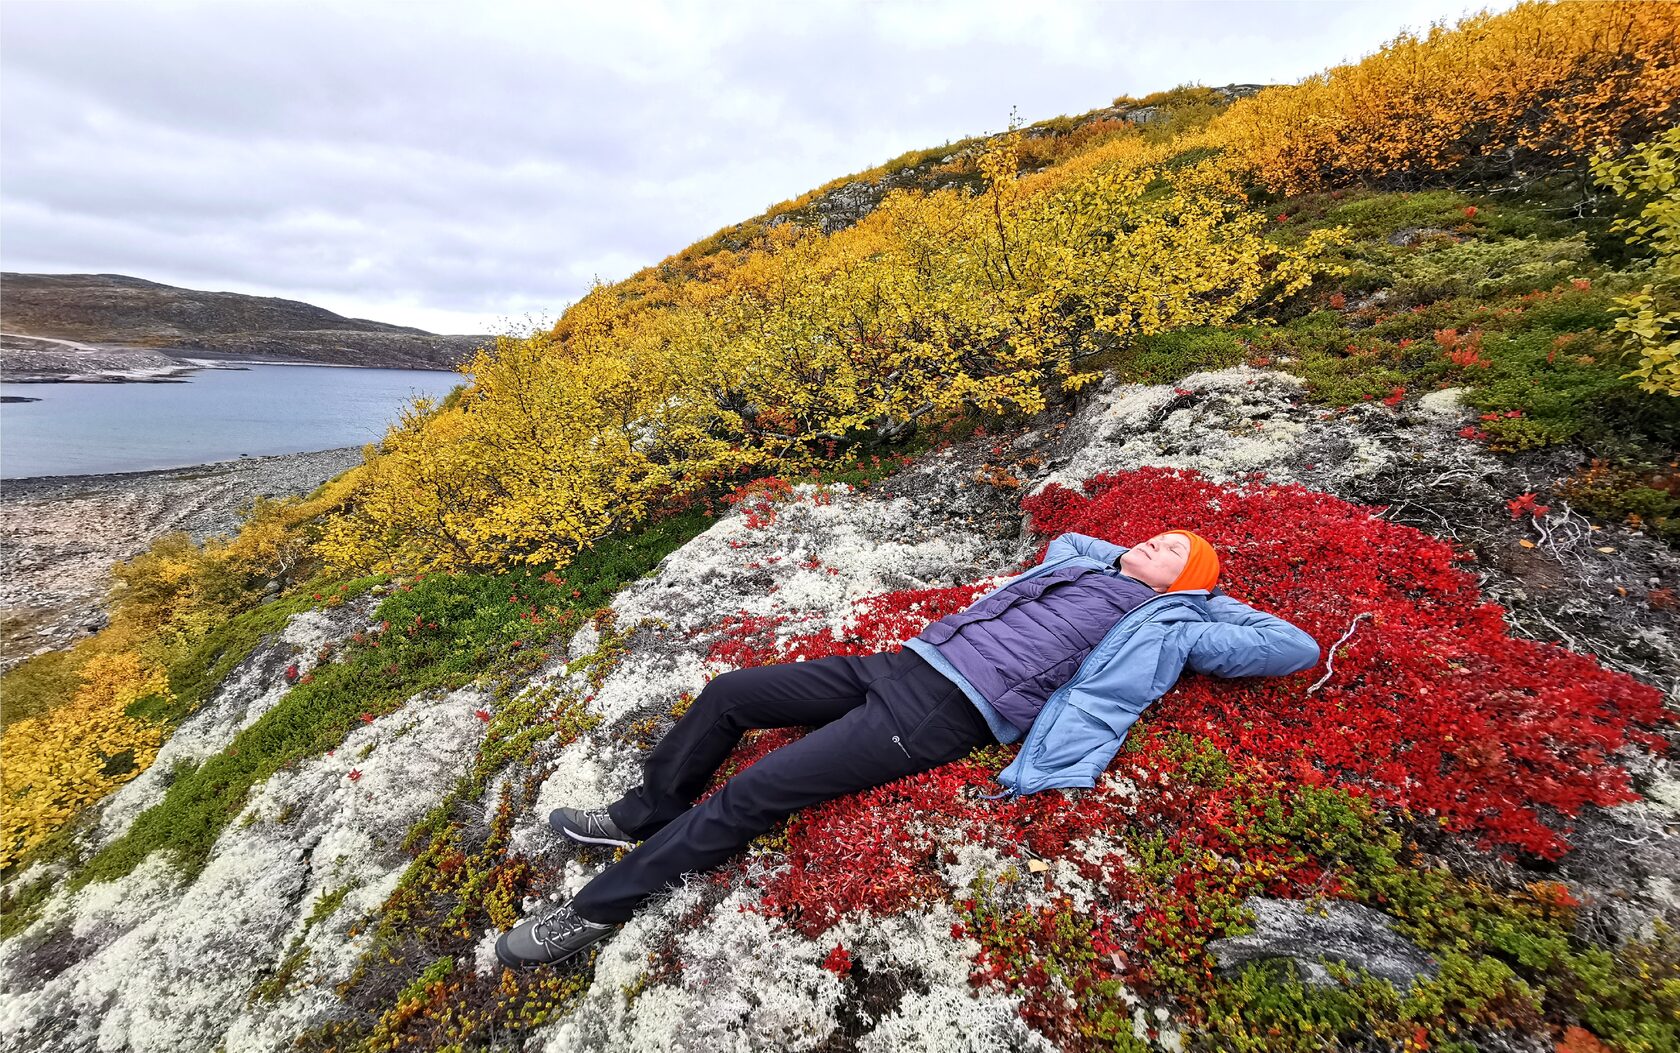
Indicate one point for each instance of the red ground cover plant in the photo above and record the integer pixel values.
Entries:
(1432, 711)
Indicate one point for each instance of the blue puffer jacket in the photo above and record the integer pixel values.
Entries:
(1084, 722)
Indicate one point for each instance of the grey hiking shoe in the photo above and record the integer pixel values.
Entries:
(592, 828)
(549, 938)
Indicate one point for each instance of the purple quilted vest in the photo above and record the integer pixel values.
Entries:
(1017, 645)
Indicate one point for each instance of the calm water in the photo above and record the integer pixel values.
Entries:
(218, 414)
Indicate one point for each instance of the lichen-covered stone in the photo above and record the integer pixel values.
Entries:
(1306, 932)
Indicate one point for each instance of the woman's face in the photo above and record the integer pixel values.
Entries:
(1158, 561)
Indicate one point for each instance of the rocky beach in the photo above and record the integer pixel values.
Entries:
(60, 534)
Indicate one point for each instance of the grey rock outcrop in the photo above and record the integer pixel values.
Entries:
(1307, 933)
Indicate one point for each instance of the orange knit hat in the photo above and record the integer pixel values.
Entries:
(1201, 569)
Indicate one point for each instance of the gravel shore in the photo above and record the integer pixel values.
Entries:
(59, 534)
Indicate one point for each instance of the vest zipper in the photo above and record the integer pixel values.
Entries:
(901, 746)
(1037, 747)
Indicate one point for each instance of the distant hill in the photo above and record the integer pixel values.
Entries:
(47, 317)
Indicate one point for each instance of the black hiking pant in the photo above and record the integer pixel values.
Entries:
(876, 717)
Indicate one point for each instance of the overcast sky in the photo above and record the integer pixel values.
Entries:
(470, 168)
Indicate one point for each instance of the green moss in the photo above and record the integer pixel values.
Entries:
(272, 986)
(1483, 269)
(1375, 215)
(1195, 155)
(1166, 357)
(1472, 992)
(1268, 1009)
(436, 972)
(1630, 996)
(21, 905)
(1056, 125)
(328, 903)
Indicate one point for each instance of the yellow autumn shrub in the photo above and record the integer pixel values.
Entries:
(931, 302)
(1650, 322)
(72, 755)
(1540, 84)
(750, 350)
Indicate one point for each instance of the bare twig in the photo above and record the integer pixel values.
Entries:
(1576, 533)
(1570, 640)
(1647, 839)
(1448, 474)
(1330, 660)
(1445, 523)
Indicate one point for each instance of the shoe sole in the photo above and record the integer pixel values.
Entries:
(598, 840)
(586, 839)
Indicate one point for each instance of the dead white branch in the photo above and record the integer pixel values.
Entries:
(1330, 661)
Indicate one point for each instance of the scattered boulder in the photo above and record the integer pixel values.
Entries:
(1306, 933)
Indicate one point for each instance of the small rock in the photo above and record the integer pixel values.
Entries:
(1346, 932)
(1413, 235)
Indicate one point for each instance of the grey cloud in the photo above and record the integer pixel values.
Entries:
(448, 165)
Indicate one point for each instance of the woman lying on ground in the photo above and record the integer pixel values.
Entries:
(1064, 656)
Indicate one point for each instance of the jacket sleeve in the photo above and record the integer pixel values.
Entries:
(1072, 544)
(1242, 641)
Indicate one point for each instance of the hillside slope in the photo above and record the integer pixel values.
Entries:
(54, 323)
(295, 897)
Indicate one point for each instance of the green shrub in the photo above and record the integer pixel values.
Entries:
(1619, 492)
(1376, 215)
(1268, 1009)
(1649, 322)
(1484, 269)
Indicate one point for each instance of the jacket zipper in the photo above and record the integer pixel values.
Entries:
(901, 746)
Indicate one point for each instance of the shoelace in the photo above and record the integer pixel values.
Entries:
(557, 925)
(598, 823)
